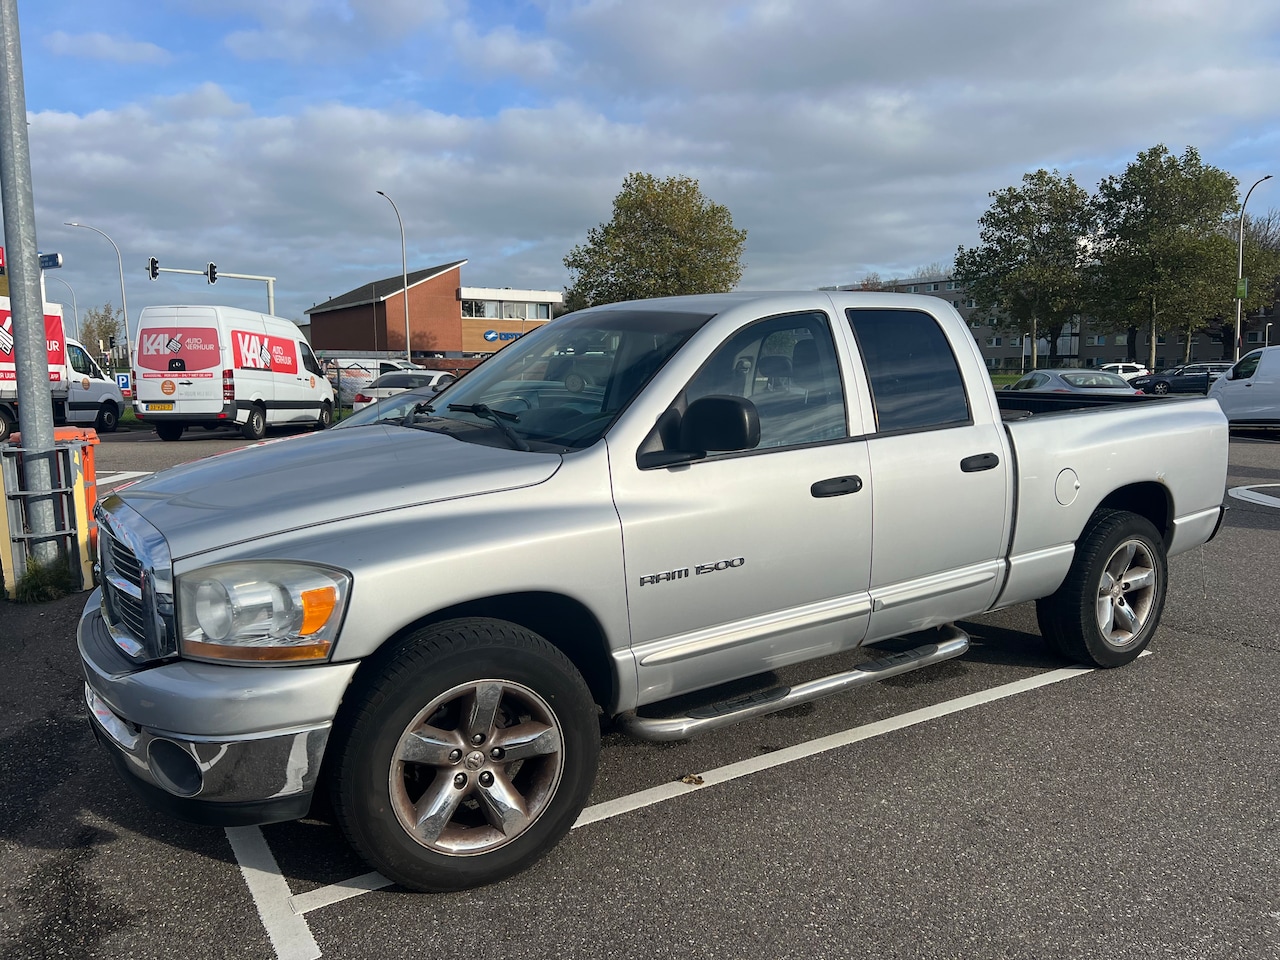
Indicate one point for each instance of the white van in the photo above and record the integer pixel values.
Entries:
(215, 366)
(93, 397)
(1249, 393)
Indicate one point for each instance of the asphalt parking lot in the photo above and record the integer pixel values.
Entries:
(1003, 805)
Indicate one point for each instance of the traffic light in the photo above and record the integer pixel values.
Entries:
(111, 342)
(153, 268)
(212, 272)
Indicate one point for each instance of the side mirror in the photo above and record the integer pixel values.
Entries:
(1229, 374)
(711, 423)
(720, 423)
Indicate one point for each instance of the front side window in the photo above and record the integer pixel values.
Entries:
(786, 366)
(309, 360)
(914, 378)
(1247, 366)
(80, 361)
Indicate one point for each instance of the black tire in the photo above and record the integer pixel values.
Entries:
(1160, 387)
(169, 431)
(424, 695)
(1109, 606)
(108, 419)
(255, 428)
(6, 425)
(326, 417)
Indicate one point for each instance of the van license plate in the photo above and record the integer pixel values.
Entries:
(159, 406)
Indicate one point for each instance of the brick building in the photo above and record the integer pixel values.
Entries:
(446, 319)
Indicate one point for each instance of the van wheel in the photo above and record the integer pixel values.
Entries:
(108, 419)
(466, 757)
(169, 431)
(1109, 606)
(6, 424)
(255, 428)
(326, 417)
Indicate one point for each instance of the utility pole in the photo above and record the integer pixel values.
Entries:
(30, 354)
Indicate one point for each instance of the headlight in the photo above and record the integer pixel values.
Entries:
(264, 610)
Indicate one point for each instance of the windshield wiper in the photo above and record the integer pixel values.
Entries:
(417, 408)
(499, 417)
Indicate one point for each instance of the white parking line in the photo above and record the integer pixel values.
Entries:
(283, 914)
(290, 936)
(120, 476)
(1250, 494)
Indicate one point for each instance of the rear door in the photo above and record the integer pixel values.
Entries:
(179, 361)
(941, 494)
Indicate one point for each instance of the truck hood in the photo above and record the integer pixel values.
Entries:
(303, 481)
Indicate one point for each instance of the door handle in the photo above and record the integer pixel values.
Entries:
(836, 487)
(978, 462)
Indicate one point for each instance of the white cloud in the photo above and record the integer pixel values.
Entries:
(100, 46)
(845, 137)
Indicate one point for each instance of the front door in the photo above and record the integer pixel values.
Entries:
(742, 562)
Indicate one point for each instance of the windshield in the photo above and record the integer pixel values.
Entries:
(557, 388)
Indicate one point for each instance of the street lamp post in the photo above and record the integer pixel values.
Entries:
(404, 271)
(1240, 265)
(75, 310)
(124, 303)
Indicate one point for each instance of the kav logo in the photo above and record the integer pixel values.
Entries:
(254, 354)
(154, 343)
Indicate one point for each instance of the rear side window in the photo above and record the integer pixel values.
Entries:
(914, 378)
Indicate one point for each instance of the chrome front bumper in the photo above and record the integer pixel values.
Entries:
(212, 743)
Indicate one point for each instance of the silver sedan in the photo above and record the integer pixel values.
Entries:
(1072, 380)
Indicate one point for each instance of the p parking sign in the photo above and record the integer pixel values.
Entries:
(126, 388)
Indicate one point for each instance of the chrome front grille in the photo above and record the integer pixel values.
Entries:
(122, 583)
(137, 591)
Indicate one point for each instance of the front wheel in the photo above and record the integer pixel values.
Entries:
(108, 419)
(467, 757)
(6, 425)
(1109, 606)
(325, 420)
(1160, 388)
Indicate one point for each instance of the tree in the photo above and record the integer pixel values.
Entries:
(1163, 259)
(1027, 273)
(665, 239)
(101, 323)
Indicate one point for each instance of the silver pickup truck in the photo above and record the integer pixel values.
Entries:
(430, 609)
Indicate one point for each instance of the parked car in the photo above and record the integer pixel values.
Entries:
(389, 384)
(1125, 368)
(439, 612)
(1249, 393)
(1188, 378)
(1072, 380)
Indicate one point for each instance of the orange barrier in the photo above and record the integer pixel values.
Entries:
(86, 438)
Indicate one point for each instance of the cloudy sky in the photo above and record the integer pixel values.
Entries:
(846, 137)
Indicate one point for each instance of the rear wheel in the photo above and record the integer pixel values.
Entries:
(468, 756)
(108, 418)
(255, 428)
(6, 424)
(169, 431)
(1109, 606)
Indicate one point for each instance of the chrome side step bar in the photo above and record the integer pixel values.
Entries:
(952, 642)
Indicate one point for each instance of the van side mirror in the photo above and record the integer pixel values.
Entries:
(721, 423)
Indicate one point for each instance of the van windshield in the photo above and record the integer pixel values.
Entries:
(557, 388)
